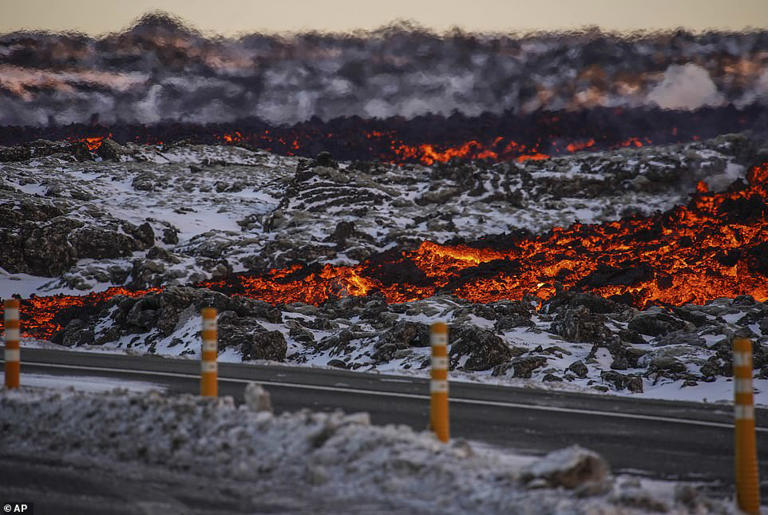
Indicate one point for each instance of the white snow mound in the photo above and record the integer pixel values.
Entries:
(334, 454)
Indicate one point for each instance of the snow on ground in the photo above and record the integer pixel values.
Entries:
(186, 213)
(181, 193)
(330, 455)
(684, 361)
(86, 383)
(26, 285)
(213, 210)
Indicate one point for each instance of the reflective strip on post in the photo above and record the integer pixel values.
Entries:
(208, 365)
(440, 362)
(742, 359)
(12, 326)
(742, 386)
(745, 446)
(12, 355)
(438, 385)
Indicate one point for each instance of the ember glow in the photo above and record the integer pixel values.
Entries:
(39, 313)
(716, 246)
(388, 148)
(580, 145)
(498, 150)
(93, 143)
(428, 139)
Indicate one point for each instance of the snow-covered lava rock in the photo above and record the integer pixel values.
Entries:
(173, 216)
(147, 216)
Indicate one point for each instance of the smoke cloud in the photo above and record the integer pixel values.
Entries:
(160, 70)
(686, 87)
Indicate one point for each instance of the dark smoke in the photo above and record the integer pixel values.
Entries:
(159, 70)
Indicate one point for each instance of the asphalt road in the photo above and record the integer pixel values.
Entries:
(681, 440)
(60, 487)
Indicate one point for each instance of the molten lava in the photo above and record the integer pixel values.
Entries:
(580, 145)
(428, 139)
(387, 147)
(716, 246)
(39, 313)
(93, 143)
(429, 154)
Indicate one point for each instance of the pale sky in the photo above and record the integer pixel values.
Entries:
(231, 17)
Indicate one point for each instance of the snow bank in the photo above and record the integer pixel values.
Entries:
(332, 454)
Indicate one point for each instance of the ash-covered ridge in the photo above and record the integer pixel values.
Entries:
(161, 70)
(145, 216)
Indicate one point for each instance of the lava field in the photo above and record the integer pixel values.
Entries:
(624, 269)
(585, 210)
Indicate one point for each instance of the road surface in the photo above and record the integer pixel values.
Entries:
(664, 439)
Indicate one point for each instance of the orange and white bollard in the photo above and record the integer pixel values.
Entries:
(745, 457)
(12, 352)
(208, 366)
(438, 385)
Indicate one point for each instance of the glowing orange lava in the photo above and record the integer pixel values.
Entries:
(576, 146)
(716, 246)
(93, 143)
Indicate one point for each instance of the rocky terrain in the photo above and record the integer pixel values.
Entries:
(72, 220)
(574, 339)
(144, 216)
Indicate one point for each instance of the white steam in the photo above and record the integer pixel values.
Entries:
(685, 87)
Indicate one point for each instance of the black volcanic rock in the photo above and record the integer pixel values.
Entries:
(344, 230)
(607, 275)
(252, 340)
(47, 250)
(15, 153)
(484, 349)
(97, 243)
(758, 258)
(77, 333)
(655, 324)
(593, 303)
(110, 149)
(325, 159)
(580, 325)
(578, 368)
(620, 381)
(524, 367)
(407, 334)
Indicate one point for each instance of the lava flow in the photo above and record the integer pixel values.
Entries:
(716, 246)
(428, 139)
(92, 143)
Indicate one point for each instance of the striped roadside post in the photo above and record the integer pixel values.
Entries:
(438, 385)
(208, 366)
(745, 447)
(12, 352)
